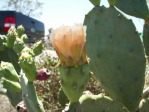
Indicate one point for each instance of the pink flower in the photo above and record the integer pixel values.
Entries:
(69, 43)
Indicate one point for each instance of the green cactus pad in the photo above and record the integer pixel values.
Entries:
(95, 103)
(117, 55)
(37, 48)
(27, 63)
(74, 81)
(99, 103)
(146, 38)
(9, 55)
(19, 45)
(137, 8)
(11, 37)
(24, 38)
(8, 71)
(11, 85)
(20, 30)
(29, 95)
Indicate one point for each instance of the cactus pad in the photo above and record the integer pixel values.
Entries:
(99, 103)
(74, 81)
(137, 8)
(117, 55)
(95, 103)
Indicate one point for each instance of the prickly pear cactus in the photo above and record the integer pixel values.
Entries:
(20, 31)
(136, 8)
(99, 103)
(29, 95)
(37, 48)
(74, 81)
(11, 85)
(13, 51)
(117, 55)
(11, 37)
(146, 38)
(8, 54)
(7, 71)
(26, 62)
(95, 103)
(74, 64)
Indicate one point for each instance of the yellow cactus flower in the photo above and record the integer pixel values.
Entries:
(69, 43)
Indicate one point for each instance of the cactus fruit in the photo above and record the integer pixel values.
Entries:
(95, 2)
(74, 80)
(42, 75)
(116, 52)
(146, 38)
(8, 71)
(137, 8)
(11, 85)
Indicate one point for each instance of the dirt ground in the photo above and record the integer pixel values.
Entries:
(5, 106)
